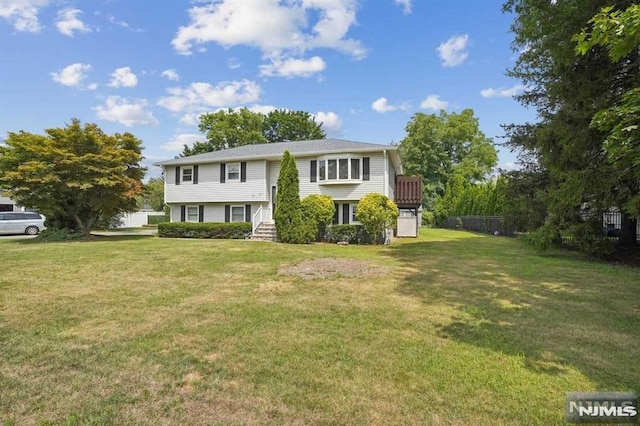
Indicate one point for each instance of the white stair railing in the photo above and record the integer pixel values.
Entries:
(263, 214)
(257, 220)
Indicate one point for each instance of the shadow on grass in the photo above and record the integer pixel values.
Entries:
(555, 311)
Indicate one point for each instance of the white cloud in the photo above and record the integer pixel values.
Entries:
(92, 86)
(262, 109)
(275, 27)
(199, 97)
(113, 20)
(434, 102)
(68, 22)
(502, 92)
(381, 105)
(234, 63)
(293, 67)
(123, 77)
(453, 51)
(180, 140)
(171, 74)
(331, 122)
(406, 5)
(72, 75)
(23, 14)
(125, 112)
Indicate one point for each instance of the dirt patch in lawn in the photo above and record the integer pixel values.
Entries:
(331, 267)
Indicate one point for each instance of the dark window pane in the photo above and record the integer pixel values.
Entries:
(321, 169)
(344, 168)
(333, 169)
(355, 168)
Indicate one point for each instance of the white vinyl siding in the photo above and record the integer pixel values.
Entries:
(209, 189)
(213, 212)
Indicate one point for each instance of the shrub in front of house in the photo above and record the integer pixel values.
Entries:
(290, 226)
(352, 234)
(216, 230)
(377, 213)
(317, 212)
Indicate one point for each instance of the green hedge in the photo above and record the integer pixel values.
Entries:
(156, 219)
(236, 230)
(353, 234)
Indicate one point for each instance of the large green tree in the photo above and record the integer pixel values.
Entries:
(438, 146)
(567, 91)
(153, 195)
(284, 125)
(76, 175)
(230, 128)
(618, 31)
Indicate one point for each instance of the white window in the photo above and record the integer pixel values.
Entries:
(192, 214)
(353, 213)
(187, 174)
(337, 169)
(237, 214)
(233, 171)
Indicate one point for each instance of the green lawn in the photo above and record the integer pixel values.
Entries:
(462, 329)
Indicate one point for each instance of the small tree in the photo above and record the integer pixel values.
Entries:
(318, 211)
(377, 213)
(288, 215)
(77, 176)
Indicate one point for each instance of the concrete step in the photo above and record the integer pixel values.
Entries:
(265, 232)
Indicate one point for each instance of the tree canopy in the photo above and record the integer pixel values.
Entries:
(230, 128)
(438, 146)
(567, 91)
(76, 176)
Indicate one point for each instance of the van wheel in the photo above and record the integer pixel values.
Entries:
(32, 230)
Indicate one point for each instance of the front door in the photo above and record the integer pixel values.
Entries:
(274, 192)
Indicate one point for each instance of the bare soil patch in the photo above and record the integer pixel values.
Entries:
(330, 267)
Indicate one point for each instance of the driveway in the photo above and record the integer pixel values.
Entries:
(16, 237)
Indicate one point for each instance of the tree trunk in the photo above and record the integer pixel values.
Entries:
(628, 235)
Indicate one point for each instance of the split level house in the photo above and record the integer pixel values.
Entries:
(240, 184)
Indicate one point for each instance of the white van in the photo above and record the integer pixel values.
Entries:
(21, 223)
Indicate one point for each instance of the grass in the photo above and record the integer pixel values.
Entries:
(465, 329)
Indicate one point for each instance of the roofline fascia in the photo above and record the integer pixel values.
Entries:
(179, 161)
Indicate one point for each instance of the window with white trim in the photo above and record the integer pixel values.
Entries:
(187, 174)
(192, 214)
(233, 171)
(340, 168)
(237, 214)
(353, 213)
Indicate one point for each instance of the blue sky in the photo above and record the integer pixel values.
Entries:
(363, 68)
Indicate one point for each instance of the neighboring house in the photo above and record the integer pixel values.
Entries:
(7, 204)
(240, 184)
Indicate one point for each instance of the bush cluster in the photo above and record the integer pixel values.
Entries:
(317, 212)
(377, 213)
(216, 230)
(353, 234)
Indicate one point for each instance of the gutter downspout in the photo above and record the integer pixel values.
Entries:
(386, 174)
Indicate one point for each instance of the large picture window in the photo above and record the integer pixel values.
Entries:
(338, 169)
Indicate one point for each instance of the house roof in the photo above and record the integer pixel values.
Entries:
(275, 150)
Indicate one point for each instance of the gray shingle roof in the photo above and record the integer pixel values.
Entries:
(275, 150)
